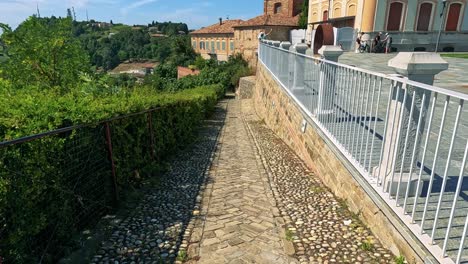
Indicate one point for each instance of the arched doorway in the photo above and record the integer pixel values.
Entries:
(323, 36)
(453, 17)
(325, 15)
(424, 17)
(395, 14)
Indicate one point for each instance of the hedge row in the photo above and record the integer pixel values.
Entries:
(53, 186)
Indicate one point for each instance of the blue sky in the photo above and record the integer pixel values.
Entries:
(196, 13)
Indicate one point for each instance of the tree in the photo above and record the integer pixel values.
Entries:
(5, 29)
(304, 16)
(43, 52)
(69, 13)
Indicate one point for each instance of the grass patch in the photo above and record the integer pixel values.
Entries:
(456, 55)
(182, 256)
(289, 235)
(367, 245)
(317, 189)
(400, 260)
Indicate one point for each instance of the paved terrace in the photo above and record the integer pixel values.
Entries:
(240, 195)
(455, 78)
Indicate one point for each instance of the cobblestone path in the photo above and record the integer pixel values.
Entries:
(239, 195)
(239, 210)
(160, 225)
(321, 227)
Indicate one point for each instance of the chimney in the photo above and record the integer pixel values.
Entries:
(220, 21)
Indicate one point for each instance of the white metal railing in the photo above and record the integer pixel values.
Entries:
(408, 140)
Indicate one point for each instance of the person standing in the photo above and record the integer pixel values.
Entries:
(358, 42)
(376, 42)
(388, 43)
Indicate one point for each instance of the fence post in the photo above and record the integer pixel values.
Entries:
(327, 80)
(419, 67)
(150, 128)
(111, 159)
(270, 53)
(299, 68)
(275, 58)
(283, 61)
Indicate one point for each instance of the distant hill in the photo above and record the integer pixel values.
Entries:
(109, 44)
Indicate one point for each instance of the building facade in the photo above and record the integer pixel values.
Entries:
(414, 24)
(221, 40)
(278, 19)
(215, 41)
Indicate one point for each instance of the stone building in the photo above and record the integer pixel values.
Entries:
(414, 24)
(223, 39)
(215, 41)
(279, 18)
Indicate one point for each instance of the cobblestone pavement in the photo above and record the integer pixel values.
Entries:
(218, 204)
(454, 78)
(158, 227)
(321, 227)
(240, 224)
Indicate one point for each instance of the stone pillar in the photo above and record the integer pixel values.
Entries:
(298, 63)
(419, 67)
(327, 81)
(283, 61)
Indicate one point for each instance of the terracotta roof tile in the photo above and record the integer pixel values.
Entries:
(269, 20)
(227, 27)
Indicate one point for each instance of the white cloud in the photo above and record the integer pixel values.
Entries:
(137, 4)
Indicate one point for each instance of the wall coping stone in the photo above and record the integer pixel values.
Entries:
(285, 45)
(299, 48)
(418, 63)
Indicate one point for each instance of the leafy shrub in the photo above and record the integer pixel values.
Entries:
(53, 186)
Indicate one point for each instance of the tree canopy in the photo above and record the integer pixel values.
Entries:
(43, 52)
(304, 16)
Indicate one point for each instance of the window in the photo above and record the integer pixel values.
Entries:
(315, 16)
(352, 10)
(453, 17)
(337, 12)
(202, 45)
(194, 44)
(212, 45)
(325, 15)
(231, 46)
(395, 15)
(424, 17)
(218, 47)
(277, 8)
(224, 45)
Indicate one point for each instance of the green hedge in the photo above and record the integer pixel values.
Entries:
(53, 186)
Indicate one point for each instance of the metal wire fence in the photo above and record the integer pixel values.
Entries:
(59, 182)
(408, 139)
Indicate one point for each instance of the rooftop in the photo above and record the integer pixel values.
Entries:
(269, 20)
(225, 27)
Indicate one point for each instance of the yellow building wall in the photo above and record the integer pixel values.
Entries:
(207, 51)
(362, 10)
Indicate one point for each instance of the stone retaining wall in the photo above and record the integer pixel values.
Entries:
(285, 118)
(246, 87)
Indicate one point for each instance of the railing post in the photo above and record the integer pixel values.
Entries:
(275, 58)
(298, 72)
(270, 53)
(283, 61)
(111, 159)
(419, 67)
(327, 80)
